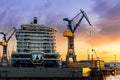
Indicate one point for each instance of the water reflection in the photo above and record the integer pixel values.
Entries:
(117, 77)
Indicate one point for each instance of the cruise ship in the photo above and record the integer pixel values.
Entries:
(36, 46)
(34, 37)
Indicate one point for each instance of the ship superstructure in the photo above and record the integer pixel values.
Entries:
(36, 46)
(36, 38)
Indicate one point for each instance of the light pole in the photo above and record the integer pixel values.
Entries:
(115, 61)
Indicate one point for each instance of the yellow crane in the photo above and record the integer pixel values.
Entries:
(4, 43)
(69, 33)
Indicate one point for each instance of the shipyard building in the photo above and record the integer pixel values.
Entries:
(34, 37)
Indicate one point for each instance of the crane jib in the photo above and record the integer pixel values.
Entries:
(77, 24)
(73, 29)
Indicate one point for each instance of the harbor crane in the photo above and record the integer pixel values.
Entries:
(93, 50)
(4, 43)
(69, 33)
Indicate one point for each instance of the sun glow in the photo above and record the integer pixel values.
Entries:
(104, 52)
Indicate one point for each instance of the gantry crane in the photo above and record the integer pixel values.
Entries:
(69, 33)
(4, 43)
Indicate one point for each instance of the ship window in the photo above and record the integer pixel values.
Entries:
(36, 56)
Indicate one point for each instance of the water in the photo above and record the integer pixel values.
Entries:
(117, 77)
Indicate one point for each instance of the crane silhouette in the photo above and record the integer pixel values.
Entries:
(4, 43)
(69, 33)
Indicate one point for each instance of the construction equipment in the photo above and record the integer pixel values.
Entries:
(93, 50)
(4, 43)
(69, 33)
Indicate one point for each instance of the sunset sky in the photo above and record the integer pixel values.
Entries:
(104, 15)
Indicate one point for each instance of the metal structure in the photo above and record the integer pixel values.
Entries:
(93, 50)
(4, 43)
(69, 33)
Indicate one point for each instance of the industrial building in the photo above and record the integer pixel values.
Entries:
(112, 64)
(34, 37)
(92, 63)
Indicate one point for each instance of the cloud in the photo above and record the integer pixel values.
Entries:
(114, 12)
(14, 14)
(108, 23)
(100, 6)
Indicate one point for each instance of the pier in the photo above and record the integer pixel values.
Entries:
(101, 74)
(10, 73)
(20, 73)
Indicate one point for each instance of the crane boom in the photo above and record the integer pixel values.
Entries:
(4, 35)
(86, 17)
(70, 22)
(73, 29)
(77, 24)
(76, 16)
(11, 34)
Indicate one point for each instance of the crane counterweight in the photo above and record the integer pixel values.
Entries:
(67, 34)
(3, 43)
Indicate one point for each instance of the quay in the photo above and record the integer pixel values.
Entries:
(111, 71)
(37, 73)
(10, 73)
(103, 73)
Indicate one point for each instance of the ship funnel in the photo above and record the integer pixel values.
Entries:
(35, 20)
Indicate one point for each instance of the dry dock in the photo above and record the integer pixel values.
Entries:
(10, 73)
(42, 73)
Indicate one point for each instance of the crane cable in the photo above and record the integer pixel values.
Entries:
(91, 41)
(9, 31)
(91, 37)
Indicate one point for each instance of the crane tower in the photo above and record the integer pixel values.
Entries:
(69, 33)
(4, 43)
